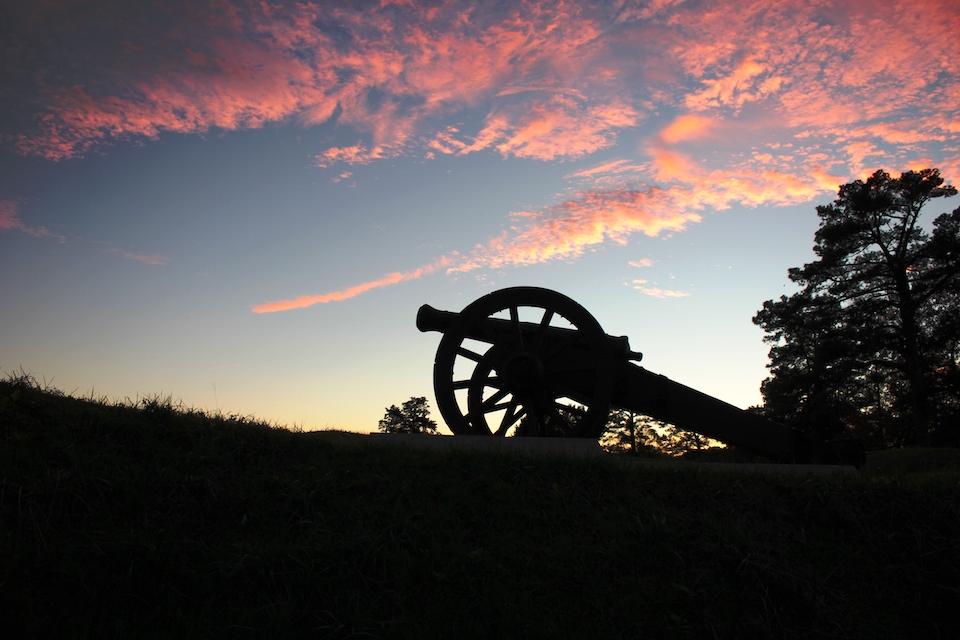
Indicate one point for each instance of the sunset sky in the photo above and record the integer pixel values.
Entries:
(243, 204)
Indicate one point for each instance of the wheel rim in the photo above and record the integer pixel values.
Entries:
(530, 380)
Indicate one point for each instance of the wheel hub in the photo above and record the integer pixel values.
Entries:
(523, 373)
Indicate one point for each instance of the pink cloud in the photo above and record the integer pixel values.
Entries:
(247, 87)
(302, 302)
(646, 289)
(568, 229)
(353, 154)
(417, 62)
(563, 231)
(744, 83)
(559, 127)
(748, 184)
(632, 10)
(10, 221)
(858, 152)
(548, 80)
(564, 129)
(613, 175)
(589, 220)
(606, 168)
(593, 218)
(687, 127)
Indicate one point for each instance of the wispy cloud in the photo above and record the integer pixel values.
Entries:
(687, 127)
(641, 285)
(567, 229)
(353, 154)
(10, 221)
(560, 127)
(302, 302)
(151, 260)
(562, 231)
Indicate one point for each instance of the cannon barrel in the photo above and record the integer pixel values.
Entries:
(660, 397)
(431, 319)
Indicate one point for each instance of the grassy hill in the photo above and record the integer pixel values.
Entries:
(149, 521)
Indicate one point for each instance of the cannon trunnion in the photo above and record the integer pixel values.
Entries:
(529, 361)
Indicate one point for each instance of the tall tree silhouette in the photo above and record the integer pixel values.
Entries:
(870, 341)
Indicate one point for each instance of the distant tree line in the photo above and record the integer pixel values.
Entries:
(870, 344)
(632, 433)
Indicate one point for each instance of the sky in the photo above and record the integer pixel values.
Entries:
(243, 204)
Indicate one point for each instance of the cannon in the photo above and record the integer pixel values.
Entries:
(528, 361)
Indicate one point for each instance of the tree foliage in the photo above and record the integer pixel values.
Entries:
(412, 417)
(630, 433)
(870, 342)
(633, 433)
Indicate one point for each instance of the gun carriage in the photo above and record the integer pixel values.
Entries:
(529, 361)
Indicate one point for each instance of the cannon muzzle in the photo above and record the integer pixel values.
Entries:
(430, 319)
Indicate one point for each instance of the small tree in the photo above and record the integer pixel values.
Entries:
(412, 417)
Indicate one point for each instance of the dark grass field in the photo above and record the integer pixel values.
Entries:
(129, 522)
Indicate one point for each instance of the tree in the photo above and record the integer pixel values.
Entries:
(678, 443)
(636, 434)
(870, 342)
(630, 432)
(412, 417)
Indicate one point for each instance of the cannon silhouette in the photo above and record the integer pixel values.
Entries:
(529, 361)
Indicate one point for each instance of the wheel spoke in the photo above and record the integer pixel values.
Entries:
(492, 381)
(507, 419)
(467, 353)
(542, 329)
(490, 404)
(515, 319)
(510, 417)
(517, 416)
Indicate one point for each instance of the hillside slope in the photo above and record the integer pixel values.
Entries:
(119, 521)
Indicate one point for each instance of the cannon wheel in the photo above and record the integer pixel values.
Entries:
(516, 382)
